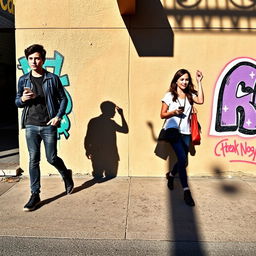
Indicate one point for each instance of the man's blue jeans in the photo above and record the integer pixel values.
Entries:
(181, 148)
(34, 136)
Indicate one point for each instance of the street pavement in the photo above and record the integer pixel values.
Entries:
(129, 216)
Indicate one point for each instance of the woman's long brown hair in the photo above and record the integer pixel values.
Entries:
(189, 89)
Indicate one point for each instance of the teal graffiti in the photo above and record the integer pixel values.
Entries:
(56, 64)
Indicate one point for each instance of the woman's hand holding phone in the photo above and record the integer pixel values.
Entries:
(179, 111)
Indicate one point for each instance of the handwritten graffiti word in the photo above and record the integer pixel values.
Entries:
(234, 107)
(7, 5)
(242, 150)
(56, 63)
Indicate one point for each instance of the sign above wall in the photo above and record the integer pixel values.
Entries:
(6, 13)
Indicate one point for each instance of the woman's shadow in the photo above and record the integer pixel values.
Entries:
(164, 149)
(101, 146)
(181, 215)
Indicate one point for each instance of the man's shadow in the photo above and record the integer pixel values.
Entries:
(101, 146)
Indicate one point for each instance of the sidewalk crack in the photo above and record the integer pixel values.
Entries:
(127, 209)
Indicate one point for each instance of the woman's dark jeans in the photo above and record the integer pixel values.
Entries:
(34, 136)
(181, 148)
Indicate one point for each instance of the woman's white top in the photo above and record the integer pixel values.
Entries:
(181, 122)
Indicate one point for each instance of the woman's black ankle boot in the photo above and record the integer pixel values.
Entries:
(188, 198)
(170, 181)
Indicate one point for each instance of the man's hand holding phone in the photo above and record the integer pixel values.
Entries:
(27, 94)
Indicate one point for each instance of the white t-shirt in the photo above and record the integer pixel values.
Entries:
(181, 122)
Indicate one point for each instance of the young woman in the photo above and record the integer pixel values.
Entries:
(176, 110)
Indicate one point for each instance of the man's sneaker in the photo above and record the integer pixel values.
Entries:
(32, 203)
(188, 198)
(69, 183)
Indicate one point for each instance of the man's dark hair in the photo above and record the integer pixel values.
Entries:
(35, 48)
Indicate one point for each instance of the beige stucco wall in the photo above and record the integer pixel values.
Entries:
(107, 57)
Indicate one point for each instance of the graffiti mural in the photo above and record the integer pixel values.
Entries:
(234, 111)
(56, 64)
(234, 107)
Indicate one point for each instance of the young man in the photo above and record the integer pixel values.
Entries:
(43, 99)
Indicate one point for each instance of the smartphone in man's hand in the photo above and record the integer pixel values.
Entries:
(27, 90)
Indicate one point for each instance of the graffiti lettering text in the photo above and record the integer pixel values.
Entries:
(242, 151)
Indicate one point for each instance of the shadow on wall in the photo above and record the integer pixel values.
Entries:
(150, 30)
(100, 141)
(239, 15)
(164, 150)
(183, 220)
(152, 35)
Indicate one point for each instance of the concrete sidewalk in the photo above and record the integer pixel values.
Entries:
(133, 208)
